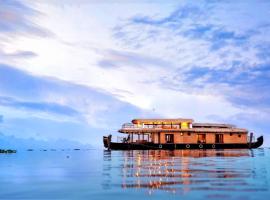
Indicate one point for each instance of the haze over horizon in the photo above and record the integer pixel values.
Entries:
(78, 70)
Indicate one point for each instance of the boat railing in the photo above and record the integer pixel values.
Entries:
(130, 126)
(149, 126)
(121, 139)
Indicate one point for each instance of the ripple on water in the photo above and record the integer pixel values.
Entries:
(155, 174)
(203, 173)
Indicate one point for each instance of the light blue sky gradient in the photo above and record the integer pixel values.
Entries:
(78, 70)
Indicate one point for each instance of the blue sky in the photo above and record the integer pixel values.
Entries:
(78, 70)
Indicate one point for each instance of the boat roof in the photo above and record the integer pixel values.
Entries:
(135, 127)
(192, 130)
(160, 121)
(213, 125)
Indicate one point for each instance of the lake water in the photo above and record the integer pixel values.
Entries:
(99, 174)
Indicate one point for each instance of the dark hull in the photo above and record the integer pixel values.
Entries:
(7, 151)
(146, 146)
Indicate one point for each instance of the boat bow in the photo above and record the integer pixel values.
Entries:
(258, 143)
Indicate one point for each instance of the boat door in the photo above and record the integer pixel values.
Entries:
(219, 138)
(201, 138)
(169, 138)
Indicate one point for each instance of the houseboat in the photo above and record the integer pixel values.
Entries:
(181, 134)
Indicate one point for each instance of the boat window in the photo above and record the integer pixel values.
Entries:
(231, 134)
(188, 134)
(239, 135)
(219, 138)
(184, 125)
(201, 138)
(175, 126)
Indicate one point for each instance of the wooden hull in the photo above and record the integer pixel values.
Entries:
(148, 146)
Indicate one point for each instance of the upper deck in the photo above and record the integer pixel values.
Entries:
(177, 125)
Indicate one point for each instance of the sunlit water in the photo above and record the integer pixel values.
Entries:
(98, 174)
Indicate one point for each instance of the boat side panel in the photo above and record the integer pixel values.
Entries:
(146, 146)
(134, 146)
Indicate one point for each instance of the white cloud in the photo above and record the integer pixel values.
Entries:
(84, 38)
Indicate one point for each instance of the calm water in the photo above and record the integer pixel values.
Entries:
(98, 174)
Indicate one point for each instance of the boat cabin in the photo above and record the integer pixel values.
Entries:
(181, 131)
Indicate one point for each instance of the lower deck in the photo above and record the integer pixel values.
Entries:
(186, 138)
(150, 145)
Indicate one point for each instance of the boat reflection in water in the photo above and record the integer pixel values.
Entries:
(211, 173)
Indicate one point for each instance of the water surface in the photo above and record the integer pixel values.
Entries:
(154, 174)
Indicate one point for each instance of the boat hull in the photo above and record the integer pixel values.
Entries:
(148, 146)
(7, 151)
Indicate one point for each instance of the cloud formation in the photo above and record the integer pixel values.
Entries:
(38, 106)
(48, 108)
(187, 59)
(16, 17)
(24, 91)
(210, 51)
